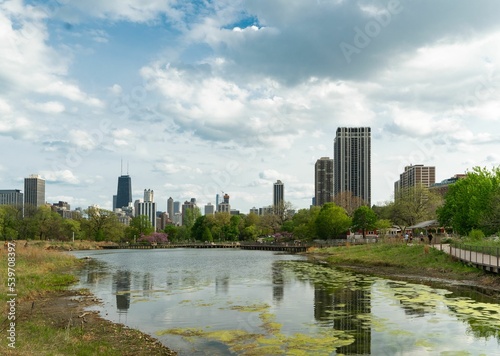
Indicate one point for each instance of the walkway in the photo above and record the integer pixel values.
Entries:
(487, 262)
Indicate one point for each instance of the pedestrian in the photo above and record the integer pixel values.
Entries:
(430, 238)
(406, 238)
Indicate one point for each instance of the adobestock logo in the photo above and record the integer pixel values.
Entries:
(363, 37)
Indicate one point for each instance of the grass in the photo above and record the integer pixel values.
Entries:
(46, 315)
(37, 271)
(411, 259)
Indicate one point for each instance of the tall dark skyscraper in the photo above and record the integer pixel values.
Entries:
(278, 197)
(323, 181)
(352, 162)
(124, 191)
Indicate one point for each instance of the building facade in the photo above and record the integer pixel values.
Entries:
(224, 207)
(11, 197)
(123, 192)
(147, 207)
(278, 196)
(352, 162)
(34, 191)
(170, 208)
(415, 175)
(442, 187)
(323, 181)
(209, 209)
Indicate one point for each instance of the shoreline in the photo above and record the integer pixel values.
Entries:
(489, 283)
(67, 311)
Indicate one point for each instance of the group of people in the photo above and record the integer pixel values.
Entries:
(409, 237)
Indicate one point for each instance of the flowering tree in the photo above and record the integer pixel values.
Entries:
(158, 237)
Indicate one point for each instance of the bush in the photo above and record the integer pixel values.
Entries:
(476, 234)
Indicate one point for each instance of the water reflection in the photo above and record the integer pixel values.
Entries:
(121, 288)
(279, 296)
(278, 282)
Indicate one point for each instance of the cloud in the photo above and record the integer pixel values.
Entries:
(29, 64)
(49, 107)
(58, 177)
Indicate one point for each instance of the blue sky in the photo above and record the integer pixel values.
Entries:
(201, 97)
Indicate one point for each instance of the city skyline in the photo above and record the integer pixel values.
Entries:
(204, 97)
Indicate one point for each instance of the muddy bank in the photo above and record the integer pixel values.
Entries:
(65, 310)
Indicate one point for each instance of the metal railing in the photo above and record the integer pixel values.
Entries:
(481, 255)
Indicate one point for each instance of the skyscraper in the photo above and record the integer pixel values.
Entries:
(352, 162)
(124, 191)
(278, 197)
(323, 181)
(170, 208)
(147, 207)
(34, 191)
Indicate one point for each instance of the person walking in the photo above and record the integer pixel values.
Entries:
(430, 238)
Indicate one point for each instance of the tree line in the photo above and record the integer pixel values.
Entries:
(471, 204)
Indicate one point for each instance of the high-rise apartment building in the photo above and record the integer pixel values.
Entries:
(170, 208)
(11, 197)
(278, 194)
(147, 207)
(352, 162)
(415, 175)
(34, 191)
(323, 181)
(124, 192)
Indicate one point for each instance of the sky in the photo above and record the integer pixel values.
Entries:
(203, 97)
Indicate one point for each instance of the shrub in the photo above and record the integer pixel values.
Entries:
(476, 234)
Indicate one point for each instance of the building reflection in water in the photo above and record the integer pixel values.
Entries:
(147, 284)
(221, 284)
(121, 288)
(340, 308)
(278, 283)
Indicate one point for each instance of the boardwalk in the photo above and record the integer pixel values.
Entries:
(485, 261)
(262, 247)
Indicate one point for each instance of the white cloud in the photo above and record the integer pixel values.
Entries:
(62, 176)
(49, 107)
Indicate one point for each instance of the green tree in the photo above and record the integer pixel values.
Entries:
(233, 231)
(332, 221)
(139, 226)
(190, 217)
(471, 203)
(304, 223)
(364, 219)
(207, 235)
(102, 225)
(171, 231)
(9, 222)
(198, 228)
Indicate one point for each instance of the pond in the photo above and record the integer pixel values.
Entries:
(236, 302)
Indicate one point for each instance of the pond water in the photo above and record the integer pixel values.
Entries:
(235, 302)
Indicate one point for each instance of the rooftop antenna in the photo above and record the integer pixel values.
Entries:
(121, 166)
(127, 167)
